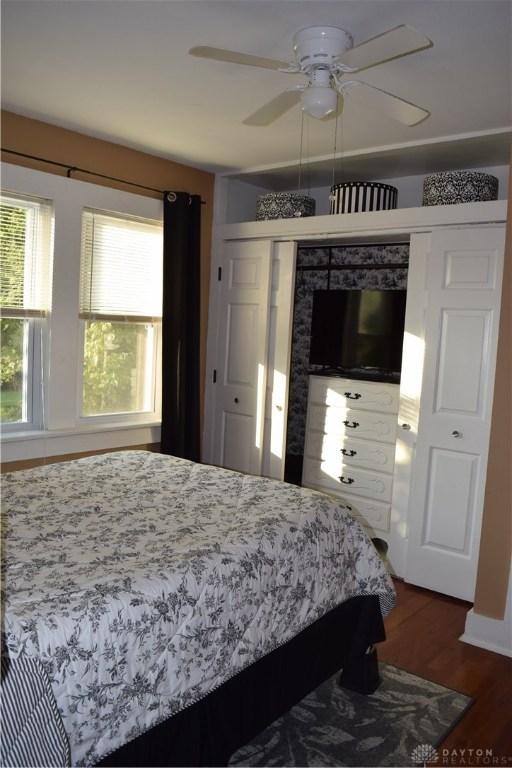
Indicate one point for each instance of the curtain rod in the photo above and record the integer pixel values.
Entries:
(71, 168)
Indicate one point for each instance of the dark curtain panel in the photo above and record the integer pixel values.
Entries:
(181, 326)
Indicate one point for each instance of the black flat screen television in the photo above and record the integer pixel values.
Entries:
(358, 330)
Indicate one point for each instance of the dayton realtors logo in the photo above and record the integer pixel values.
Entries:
(426, 754)
(423, 754)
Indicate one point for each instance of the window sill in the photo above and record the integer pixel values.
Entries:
(32, 444)
(48, 434)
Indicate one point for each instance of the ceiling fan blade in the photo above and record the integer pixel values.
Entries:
(234, 57)
(393, 106)
(399, 41)
(274, 108)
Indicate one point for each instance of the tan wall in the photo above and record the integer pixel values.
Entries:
(33, 137)
(496, 542)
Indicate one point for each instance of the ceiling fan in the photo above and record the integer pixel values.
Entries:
(326, 55)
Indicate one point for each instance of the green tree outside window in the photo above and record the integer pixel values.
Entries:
(114, 355)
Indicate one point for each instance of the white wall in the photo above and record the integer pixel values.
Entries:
(65, 431)
(241, 200)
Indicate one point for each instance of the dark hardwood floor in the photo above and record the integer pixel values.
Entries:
(422, 638)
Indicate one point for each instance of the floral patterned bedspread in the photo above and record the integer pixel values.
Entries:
(142, 582)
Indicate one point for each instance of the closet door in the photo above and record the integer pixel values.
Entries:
(242, 351)
(279, 353)
(464, 271)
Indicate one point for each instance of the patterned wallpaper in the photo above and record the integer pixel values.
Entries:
(308, 281)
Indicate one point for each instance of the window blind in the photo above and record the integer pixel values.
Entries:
(120, 268)
(26, 229)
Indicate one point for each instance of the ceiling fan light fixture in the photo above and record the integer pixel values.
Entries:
(319, 101)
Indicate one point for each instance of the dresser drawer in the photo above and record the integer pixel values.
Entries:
(362, 482)
(348, 450)
(352, 423)
(349, 393)
(372, 513)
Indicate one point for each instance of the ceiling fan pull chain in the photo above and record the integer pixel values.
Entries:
(307, 170)
(335, 138)
(300, 148)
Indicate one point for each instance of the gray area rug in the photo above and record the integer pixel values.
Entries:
(335, 727)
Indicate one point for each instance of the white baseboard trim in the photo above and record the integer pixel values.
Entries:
(491, 634)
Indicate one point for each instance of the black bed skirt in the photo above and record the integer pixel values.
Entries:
(210, 731)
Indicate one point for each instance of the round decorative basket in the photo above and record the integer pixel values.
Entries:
(284, 205)
(450, 187)
(362, 196)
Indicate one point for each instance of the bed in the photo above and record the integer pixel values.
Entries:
(159, 595)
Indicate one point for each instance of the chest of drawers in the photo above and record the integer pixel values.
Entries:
(350, 444)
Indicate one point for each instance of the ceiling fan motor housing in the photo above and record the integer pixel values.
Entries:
(320, 46)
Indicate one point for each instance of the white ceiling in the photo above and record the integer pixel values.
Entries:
(119, 69)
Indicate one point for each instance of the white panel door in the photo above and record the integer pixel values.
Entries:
(461, 328)
(279, 353)
(242, 355)
(413, 351)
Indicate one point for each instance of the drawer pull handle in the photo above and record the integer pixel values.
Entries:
(351, 396)
(351, 424)
(348, 453)
(347, 480)
(236, 400)
(456, 433)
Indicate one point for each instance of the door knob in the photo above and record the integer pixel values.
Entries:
(456, 433)
(407, 427)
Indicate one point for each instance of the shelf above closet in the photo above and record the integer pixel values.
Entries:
(471, 150)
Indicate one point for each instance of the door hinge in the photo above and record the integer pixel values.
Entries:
(219, 273)
(214, 375)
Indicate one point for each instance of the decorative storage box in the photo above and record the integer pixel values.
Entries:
(284, 205)
(360, 196)
(450, 187)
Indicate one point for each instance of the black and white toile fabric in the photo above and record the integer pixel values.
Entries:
(142, 582)
(363, 259)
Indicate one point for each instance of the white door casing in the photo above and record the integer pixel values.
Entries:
(279, 354)
(463, 287)
(242, 355)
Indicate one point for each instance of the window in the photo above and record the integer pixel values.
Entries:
(121, 306)
(25, 247)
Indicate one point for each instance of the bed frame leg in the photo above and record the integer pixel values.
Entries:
(361, 674)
